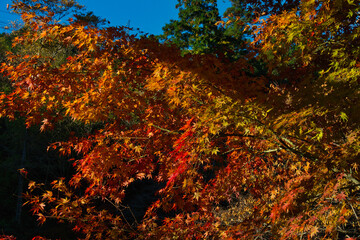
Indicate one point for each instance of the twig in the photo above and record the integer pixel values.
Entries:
(166, 130)
(122, 214)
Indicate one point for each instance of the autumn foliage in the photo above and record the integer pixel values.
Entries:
(237, 155)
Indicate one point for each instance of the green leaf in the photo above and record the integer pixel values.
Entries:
(344, 117)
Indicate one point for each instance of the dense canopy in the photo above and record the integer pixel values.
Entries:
(258, 143)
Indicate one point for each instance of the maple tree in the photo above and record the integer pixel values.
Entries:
(238, 156)
(59, 8)
(27, 149)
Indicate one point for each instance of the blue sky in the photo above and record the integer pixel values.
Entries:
(5, 16)
(148, 15)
